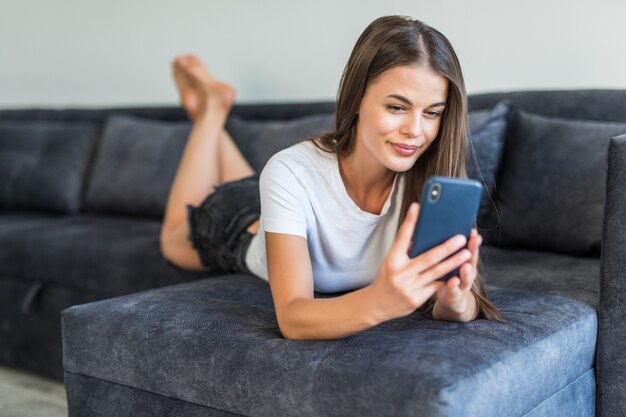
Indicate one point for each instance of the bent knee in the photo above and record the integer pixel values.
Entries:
(177, 249)
(167, 246)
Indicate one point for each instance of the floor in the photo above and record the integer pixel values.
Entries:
(24, 394)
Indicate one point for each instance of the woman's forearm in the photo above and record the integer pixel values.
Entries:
(331, 318)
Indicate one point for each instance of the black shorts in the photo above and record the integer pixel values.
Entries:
(218, 227)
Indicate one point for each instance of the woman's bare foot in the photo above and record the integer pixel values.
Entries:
(195, 86)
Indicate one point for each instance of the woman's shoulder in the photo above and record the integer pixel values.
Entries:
(305, 153)
(303, 162)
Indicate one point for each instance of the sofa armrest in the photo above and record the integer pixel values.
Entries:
(611, 352)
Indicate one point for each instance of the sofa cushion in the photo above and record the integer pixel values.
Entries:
(108, 256)
(42, 164)
(31, 336)
(576, 276)
(216, 342)
(552, 186)
(135, 165)
(260, 139)
(487, 133)
(137, 158)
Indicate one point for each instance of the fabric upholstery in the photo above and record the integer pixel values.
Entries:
(98, 116)
(551, 193)
(94, 397)
(50, 261)
(259, 140)
(611, 360)
(42, 164)
(487, 133)
(135, 166)
(69, 250)
(216, 343)
(597, 104)
(91, 397)
(30, 332)
(576, 276)
(577, 399)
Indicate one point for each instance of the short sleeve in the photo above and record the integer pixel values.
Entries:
(283, 200)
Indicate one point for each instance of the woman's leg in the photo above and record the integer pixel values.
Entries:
(210, 157)
(233, 165)
(192, 78)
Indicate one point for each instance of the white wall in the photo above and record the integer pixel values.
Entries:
(100, 53)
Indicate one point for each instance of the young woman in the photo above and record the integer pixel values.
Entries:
(337, 212)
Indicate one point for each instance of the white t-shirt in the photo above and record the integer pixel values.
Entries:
(302, 194)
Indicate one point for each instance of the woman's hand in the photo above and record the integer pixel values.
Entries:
(455, 301)
(403, 284)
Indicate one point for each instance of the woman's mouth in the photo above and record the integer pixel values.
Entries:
(404, 150)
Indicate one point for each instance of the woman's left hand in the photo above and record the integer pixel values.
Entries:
(455, 298)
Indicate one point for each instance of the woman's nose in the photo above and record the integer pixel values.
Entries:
(412, 127)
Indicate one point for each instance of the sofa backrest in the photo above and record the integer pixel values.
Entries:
(106, 186)
(601, 105)
(277, 111)
(551, 188)
(127, 163)
(43, 164)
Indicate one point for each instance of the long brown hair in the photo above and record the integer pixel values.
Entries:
(393, 41)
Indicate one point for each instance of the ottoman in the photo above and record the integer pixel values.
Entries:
(213, 348)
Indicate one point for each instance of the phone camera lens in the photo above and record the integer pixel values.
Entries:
(435, 192)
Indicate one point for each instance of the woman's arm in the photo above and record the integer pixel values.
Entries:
(300, 316)
(401, 285)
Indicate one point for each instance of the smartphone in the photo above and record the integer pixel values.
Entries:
(448, 208)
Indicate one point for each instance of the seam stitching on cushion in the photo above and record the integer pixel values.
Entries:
(557, 393)
(153, 393)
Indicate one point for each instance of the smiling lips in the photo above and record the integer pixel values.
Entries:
(404, 150)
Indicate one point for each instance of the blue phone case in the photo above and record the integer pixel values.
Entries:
(449, 207)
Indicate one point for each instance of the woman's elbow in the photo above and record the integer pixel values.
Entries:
(293, 334)
(288, 334)
(288, 330)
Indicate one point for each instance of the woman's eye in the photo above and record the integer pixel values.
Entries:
(433, 114)
(395, 108)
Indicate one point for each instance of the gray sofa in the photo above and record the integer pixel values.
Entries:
(210, 346)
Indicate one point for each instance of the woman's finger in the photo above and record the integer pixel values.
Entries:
(449, 292)
(440, 268)
(430, 289)
(466, 277)
(435, 255)
(405, 233)
(478, 240)
(454, 287)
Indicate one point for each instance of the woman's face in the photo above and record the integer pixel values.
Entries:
(400, 115)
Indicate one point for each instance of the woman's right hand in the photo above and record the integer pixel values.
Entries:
(403, 284)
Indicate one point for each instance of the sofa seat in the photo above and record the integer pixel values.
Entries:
(49, 262)
(576, 276)
(44, 249)
(213, 348)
